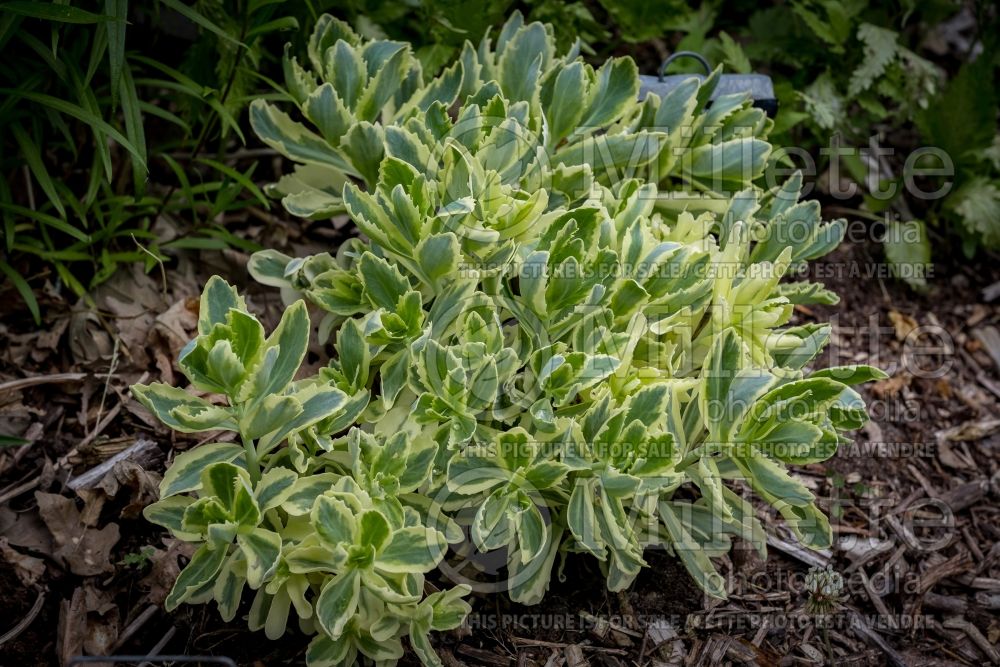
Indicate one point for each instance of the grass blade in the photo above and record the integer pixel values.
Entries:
(163, 114)
(283, 23)
(89, 103)
(133, 127)
(185, 185)
(195, 17)
(8, 27)
(118, 11)
(46, 219)
(187, 85)
(9, 226)
(50, 11)
(21, 285)
(33, 157)
(80, 114)
(242, 179)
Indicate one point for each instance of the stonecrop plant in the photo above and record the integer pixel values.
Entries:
(563, 331)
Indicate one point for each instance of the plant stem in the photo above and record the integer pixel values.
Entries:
(253, 463)
(692, 457)
(826, 638)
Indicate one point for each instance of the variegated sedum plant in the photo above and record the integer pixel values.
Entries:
(562, 330)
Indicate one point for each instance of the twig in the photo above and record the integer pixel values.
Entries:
(642, 648)
(877, 601)
(991, 292)
(135, 625)
(814, 558)
(980, 583)
(55, 378)
(762, 631)
(521, 641)
(107, 381)
(975, 635)
(159, 262)
(875, 639)
(263, 215)
(98, 429)
(29, 618)
(590, 618)
(988, 383)
(155, 652)
(97, 473)
(18, 490)
(949, 603)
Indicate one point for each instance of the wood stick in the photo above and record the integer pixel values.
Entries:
(28, 619)
(55, 378)
(97, 473)
(975, 635)
(870, 636)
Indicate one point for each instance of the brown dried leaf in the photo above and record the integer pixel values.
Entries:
(164, 569)
(140, 485)
(904, 324)
(143, 486)
(72, 627)
(177, 324)
(27, 568)
(951, 458)
(89, 623)
(970, 430)
(891, 386)
(25, 530)
(989, 336)
(49, 336)
(89, 341)
(87, 551)
(102, 621)
(133, 297)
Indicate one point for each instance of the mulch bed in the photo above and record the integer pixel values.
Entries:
(914, 501)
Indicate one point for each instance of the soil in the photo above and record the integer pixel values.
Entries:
(945, 377)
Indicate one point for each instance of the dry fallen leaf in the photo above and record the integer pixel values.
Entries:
(72, 627)
(904, 324)
(943, 388)
(142, 489)
(979, 313)
(949, 457)
(88, 340)
(85, 550)
(133, 297)
(177, 324)
(48, 338)
(873, 431)
(26, 530)
(27, 568)
(164, 569)
(102, 621)
(89, 623)
(989, 336)
(143, 486)
(891, 386)
(970, 430)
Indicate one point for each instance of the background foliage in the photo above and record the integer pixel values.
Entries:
(125, 125)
